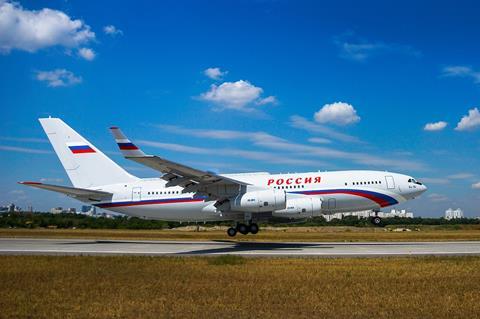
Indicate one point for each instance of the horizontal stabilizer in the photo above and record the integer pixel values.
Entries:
(78, 193)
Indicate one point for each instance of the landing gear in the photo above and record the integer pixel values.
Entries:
(377, 221)
(231, 232)
(243, 229)
(253, 228)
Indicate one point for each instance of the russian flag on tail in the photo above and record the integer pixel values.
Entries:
(80, 148)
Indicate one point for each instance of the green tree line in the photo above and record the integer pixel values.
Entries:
(44, 220)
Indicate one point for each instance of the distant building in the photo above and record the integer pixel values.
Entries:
(85, 208)
(88, 210)
(370, 213)
(12, 208)
(56, 210)
(453, 213)
(71, 210)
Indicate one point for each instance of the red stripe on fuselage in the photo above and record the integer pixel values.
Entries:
(380, 201)
(151, 202)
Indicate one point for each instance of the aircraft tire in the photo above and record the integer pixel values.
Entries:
(377, 221)
(254, 228)
(243, 229)
(231, 232)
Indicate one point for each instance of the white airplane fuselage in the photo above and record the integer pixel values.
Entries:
(336, 191)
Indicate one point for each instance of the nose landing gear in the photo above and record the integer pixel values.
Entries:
(232, 232)
(243, 229)
(377, 221)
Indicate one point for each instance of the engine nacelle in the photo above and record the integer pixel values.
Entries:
(259, 201)
(301, 208)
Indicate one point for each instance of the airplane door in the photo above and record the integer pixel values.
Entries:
(390, 182)
(136, 193)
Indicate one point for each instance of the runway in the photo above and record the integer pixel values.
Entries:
(29, 246)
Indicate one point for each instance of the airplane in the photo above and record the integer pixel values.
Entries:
(187, 194)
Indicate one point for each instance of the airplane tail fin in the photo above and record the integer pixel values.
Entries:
(85, 165)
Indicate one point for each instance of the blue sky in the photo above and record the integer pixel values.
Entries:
(240, 86)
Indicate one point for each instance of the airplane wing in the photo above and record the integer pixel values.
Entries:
(78, 193)
(176, 174)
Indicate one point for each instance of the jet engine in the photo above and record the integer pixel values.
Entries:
(301, 208)
(259, 201)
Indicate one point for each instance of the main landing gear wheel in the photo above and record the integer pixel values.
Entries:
(377, 221)
(253, 228)
(243, 229)
(231, 232)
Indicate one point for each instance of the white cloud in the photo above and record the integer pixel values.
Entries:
(215, 73)
(437, 126)
(339, 113)
(359, 51)
(86, 53)
(17, 195)
(112, 30)
(434, 197)
(319, 140)
(434, 180)
(268, 100)
(31, 30)
(238, 96)
(461, 176)
(266, 140)
(352, 48)
(247, 154)
(476, 185)
(220, 134)
(23, 150)
(58, 78)
(17, 192)
(174, 147)
(24, 139)
(461, 71)
(304, 124)
(469, 121)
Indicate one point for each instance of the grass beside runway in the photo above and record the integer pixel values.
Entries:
(235, 287)
(314, 234)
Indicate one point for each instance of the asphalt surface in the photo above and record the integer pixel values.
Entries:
(32, 246)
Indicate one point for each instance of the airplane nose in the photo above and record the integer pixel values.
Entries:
(424, 188)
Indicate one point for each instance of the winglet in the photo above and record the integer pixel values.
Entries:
(124, 144)
(30, 183)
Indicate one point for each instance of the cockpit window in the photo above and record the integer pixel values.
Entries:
(413, 180)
